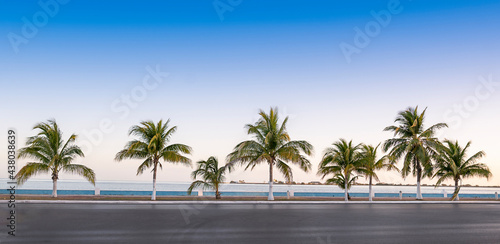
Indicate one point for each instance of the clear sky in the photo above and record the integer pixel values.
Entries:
(339, 69)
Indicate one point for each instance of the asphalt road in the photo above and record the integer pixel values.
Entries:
(298, 223)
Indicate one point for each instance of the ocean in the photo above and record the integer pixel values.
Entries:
(78, 187)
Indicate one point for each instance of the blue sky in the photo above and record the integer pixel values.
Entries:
(90, 54)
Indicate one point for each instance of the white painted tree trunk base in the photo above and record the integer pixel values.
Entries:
(54, 188)
(270, 197)
(153, 196)
(419, 193)
(346, 195)
(370, 191)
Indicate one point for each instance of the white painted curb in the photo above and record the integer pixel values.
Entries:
(245, 202)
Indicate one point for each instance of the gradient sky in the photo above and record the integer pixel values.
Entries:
(90, 54)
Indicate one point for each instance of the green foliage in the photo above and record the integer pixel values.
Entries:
(271, 145)
(371, 164)
(339, 180)
(413, 142)
(211, 174)
(343, 160)
(453, 163)
(52, 154)
(152, 145)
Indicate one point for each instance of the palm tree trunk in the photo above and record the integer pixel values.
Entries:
(419, 176)
(346, 195)
(370, 190)
(455, 194)
(153, 196)
(54, 186)
(217, 193)
(270, 196)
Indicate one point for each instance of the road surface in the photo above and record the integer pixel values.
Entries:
(254, 223)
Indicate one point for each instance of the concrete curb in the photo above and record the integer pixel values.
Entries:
(244, 202)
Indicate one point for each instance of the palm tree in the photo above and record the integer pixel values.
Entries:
(371, 164)
(52, 155)
(152, 146)
(453, 164)
(273, 146)
(339, 180)
(212, 175)
(342, 160)
(413, 142)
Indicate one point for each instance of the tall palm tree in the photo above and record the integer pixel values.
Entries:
(52, 155)
(342, 160)
(152, 146)
(271, 145)
(414, 143)
(371, 164)
(453, 164)
(212, 175)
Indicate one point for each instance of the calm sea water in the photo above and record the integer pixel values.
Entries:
(128, 187)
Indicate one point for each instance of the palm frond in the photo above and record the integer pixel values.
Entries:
(145, 165)
(452, 163)
(52, 153)
(342, 160)
(271, 144)
(197, 184)
(31, 169)
(82, 170)
(151, 145)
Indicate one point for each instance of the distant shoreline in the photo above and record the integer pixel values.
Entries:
(4, 180)
(383, 184)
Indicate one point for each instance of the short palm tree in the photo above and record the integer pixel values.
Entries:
(271, 145)
(212, 175)
(453, 164)
(339, 180)
(152, 146)
(371, 164)
(414, 143)
(52, 155)
(342, 160)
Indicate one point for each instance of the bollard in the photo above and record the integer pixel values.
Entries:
(445, 195)
(287, 194)
(496, 195)
(97, 191)
(200, 192)
(400, 195)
